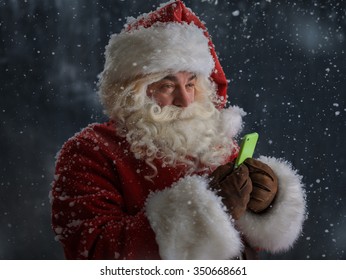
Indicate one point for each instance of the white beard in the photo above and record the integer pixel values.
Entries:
(194, 137)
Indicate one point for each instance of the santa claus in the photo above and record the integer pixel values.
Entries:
(158, 180)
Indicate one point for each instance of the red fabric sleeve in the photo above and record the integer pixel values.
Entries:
(88, 212)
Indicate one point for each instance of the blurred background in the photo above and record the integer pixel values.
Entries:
(286, 65)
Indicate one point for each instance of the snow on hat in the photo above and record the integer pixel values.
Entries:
(172, 38)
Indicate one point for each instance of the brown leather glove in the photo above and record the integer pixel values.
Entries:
(234, 186)
(265, 185)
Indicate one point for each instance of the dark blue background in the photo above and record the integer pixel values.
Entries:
(286, 64)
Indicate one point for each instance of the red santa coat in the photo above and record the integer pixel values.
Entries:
(99, 196)
(104, 208)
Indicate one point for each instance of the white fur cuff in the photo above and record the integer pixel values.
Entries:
(190, 222)
(278, 228)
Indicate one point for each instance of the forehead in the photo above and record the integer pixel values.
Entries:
(180, 76)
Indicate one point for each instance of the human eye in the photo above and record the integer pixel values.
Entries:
(167, 87)
(190, 85)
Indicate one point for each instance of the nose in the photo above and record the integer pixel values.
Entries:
(182, 98)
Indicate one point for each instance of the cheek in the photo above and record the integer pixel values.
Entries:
(163, 100)
(150, 92)
(193, 95)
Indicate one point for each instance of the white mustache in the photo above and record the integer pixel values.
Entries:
(172, 113)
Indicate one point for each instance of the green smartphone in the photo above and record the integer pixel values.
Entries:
(247, 148)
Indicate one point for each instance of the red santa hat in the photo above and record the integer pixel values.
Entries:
(170, 39)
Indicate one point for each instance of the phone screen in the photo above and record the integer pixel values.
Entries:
(247, 148)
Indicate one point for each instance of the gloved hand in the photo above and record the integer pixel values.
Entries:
(234, 186)
(265, 185)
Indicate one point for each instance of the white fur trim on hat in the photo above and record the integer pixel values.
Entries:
(277, 229)
(232, 120)
(190, 222)
(163, 47)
